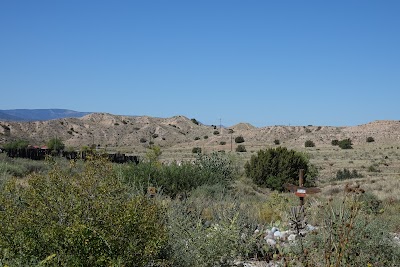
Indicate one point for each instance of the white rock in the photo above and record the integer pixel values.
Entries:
(269, 235)
(310, 227)
(284, 235)
(274, 229)
(271, 242)
(292, 237)
(277, 235)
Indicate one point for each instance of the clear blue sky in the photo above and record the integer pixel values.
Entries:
(262, 62)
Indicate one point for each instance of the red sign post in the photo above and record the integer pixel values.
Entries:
(300, 190)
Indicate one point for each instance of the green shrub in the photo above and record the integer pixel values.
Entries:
(13, 169)
(370, 139)
(196, 150)
(19, 144)
(142, 140)
(222, 143)
(346, 174)
(277, 142)
(349, 236)
(335, 142)
(21, 167)
(79, 218)
(197, 138)
(372, 168)
(180, 178)
(204, 233)
(217, 167)
(206, 137)
(309, 143)
(345, 144)
(195, 121)
(274, 167)
(241, 148)
(55, 144)
(239, 139)
(216, 133)
(370, 203)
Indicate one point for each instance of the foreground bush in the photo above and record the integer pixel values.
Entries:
(196, 242)
(274, 167)
(88, 218)
(349, 236)
(209, 232)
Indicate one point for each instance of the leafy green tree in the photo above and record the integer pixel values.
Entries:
(18, 144)
(274, 167)
(55, 144)
(153, 154)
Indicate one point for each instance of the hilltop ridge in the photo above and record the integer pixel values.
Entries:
(137, 132)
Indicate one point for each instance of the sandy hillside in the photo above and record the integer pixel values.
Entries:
(133, 132)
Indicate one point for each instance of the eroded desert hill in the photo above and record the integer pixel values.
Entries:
(109, 130)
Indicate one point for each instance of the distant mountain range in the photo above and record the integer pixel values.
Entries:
(39, 114)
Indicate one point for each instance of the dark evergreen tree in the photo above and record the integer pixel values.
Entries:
(274, 167)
